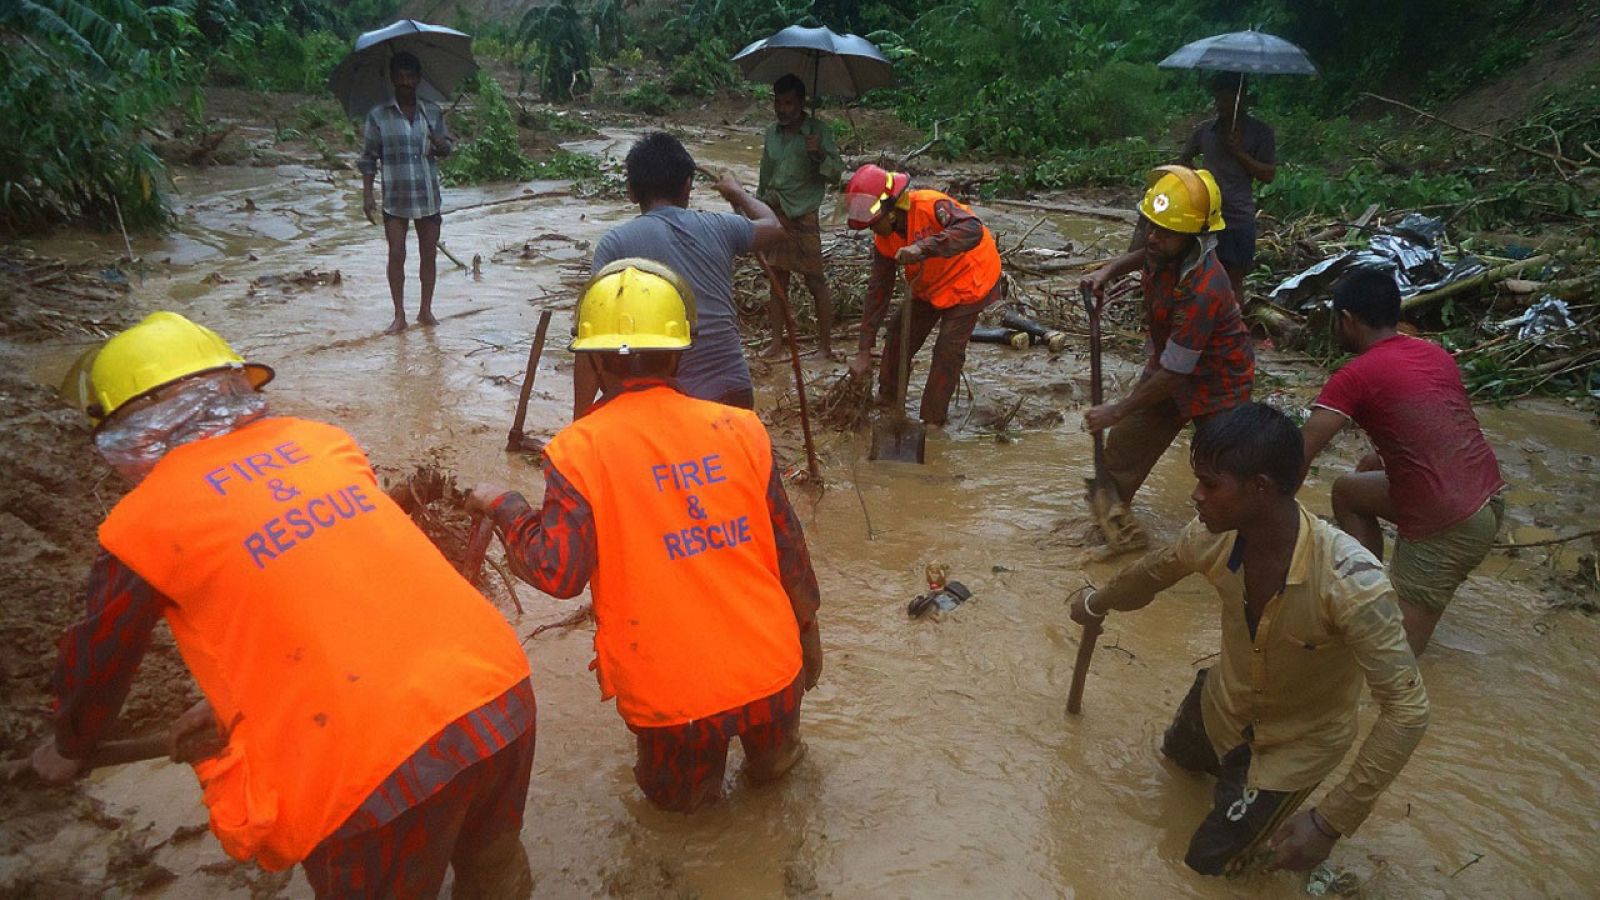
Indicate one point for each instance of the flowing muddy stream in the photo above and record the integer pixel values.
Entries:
(941, 762)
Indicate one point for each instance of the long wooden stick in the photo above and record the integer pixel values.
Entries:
(514, 439)
(453, 258)
(782, 293)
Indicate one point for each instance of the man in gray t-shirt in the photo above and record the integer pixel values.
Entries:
(700, 247)
(1237, 153)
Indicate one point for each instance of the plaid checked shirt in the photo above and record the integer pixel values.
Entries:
(400, 147)
(1196, 330)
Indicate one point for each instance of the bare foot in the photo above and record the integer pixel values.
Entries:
(397, 326)
(775, 350)
(426, 318)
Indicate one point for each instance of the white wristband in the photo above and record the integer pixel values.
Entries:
(1090, 610)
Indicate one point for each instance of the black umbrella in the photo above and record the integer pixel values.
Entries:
(1246, 52)
(841, 65)
(361, 80)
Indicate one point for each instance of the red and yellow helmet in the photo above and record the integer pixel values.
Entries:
(870, 193)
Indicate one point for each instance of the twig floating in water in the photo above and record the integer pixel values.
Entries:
(1467, 865)
(1549, 542)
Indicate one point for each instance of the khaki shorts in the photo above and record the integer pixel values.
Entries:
(1426, 573)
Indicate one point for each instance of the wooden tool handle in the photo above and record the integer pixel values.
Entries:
(1080, 668)
(477, 547)
(110, 753)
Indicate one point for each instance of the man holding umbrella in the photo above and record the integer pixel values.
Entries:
(1239, 150)
(798, 162)
(395, 77)
(406, 137)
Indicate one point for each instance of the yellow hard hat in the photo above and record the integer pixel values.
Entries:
(632, 305)
(156, 352)
(1182, 199)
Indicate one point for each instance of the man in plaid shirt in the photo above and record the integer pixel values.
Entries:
(1201, 362)
(406, 137)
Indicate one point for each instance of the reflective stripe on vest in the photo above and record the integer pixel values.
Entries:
(317, 619)
(943, 281)
(692, 618)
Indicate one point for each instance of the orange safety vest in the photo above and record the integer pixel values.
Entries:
(692, 618)
(943, 281)
(326, 630)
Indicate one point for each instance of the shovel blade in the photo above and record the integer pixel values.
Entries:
(899, 440)
(1112, 516)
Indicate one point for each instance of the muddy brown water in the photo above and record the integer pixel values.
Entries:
(941, 763)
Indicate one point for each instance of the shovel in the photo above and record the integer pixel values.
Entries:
(1111, 515)
(897, 437)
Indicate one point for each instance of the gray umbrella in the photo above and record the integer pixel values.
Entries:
(1249, 52)
(841, 65)
(361, 80)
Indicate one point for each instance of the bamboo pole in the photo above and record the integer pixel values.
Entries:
(1420, 302)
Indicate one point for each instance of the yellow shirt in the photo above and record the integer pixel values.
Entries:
(1296, 683)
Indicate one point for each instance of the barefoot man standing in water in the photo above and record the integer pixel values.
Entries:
(406, 137)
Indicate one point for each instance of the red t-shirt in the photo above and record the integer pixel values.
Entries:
(1406, 394)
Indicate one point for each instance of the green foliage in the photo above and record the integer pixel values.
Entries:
(648, 98)
(493, 153)
(78, 81)
(610, 27)
(703, 70)
(562, 41)
(551, 122)
(1300, 190)
(274, 58)
(1112, 163)
(735, 23)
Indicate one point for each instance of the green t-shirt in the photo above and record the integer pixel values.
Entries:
(791, 181)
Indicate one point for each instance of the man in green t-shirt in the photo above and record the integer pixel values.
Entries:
(798, 161)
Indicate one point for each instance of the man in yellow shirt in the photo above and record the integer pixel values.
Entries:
(1307, 616)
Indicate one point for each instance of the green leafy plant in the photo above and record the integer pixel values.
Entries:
(77, 85)
(562, 41)
(648, 98)
(493, 153)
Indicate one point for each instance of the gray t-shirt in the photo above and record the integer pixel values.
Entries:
(1259, 142)
(700, 247)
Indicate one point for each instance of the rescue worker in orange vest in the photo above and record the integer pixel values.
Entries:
(369, 712)
(953, 268)
(672, 510)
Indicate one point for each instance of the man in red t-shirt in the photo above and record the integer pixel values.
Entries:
(1433, 476)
